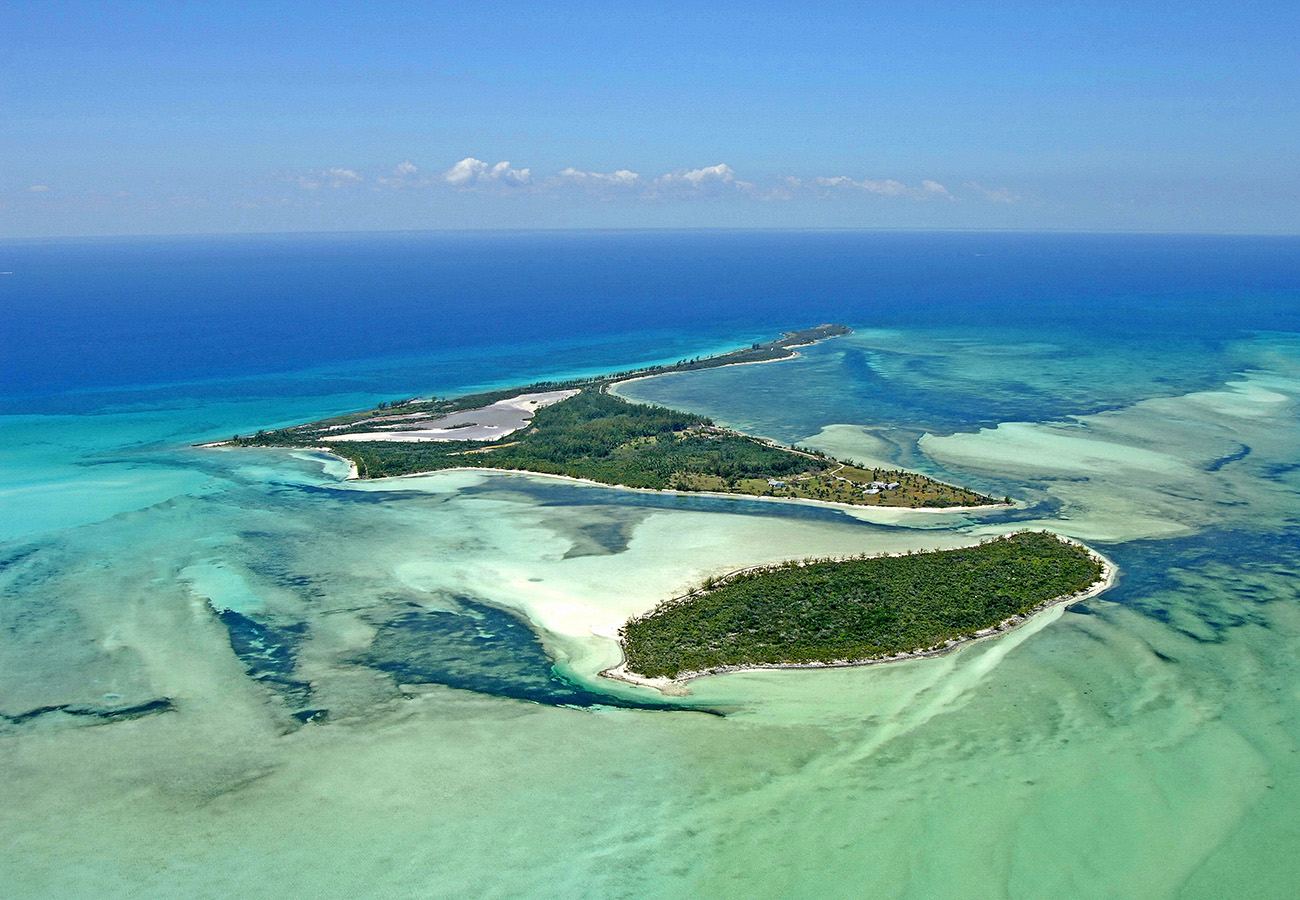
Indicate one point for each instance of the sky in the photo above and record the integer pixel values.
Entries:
(218, 117)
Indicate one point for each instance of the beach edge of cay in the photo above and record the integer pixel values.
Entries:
(679, 685)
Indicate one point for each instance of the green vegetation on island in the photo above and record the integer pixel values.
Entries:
(597, 436)
(856, 610)
(602, 437)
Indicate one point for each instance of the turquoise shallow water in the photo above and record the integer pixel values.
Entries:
(231, 674)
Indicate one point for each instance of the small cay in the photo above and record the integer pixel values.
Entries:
(836, 612)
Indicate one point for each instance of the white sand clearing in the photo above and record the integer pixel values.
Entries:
(488, 423)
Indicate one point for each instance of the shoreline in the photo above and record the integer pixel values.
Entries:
(836, 504)
(609, 387)
(612, 387)
(678, 686)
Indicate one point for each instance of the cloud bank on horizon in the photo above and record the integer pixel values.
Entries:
(471, 175)
(496, 193)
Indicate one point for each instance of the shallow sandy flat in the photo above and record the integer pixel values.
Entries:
(488, 423)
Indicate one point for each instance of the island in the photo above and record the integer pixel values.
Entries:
(804, 613)
(580, 429)
(857, 611)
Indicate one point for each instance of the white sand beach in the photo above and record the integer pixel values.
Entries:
(488, 423)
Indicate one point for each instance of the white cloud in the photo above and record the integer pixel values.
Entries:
(471, 171)
(404, 175)
(884, 187)
(622, 183)
(342, 176)
(335, 177)
(786, 187)
(38, 188)
(887, 187)
(466, 170)
(502, 172)
(993, 195)
(621, 178)
(720, 174)
(707, 183)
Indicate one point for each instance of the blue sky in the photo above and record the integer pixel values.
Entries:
(156, 118)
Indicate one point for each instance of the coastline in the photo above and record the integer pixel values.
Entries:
(678, 686)
(612, 387)
(353, 476)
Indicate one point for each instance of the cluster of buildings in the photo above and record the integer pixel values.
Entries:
(874, 487)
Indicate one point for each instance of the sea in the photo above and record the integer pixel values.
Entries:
(234, 673)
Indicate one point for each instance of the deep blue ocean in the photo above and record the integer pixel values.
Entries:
(94, 324)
